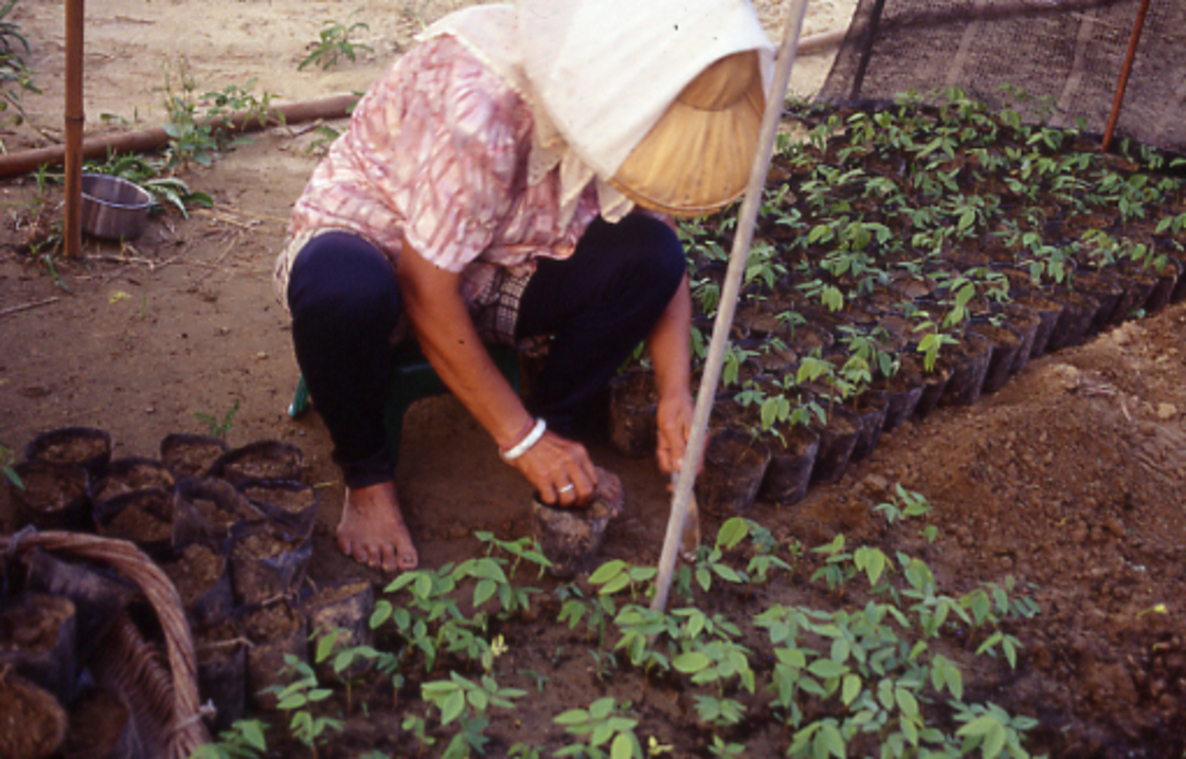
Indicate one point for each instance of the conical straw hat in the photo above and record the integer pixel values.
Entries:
(662, 98)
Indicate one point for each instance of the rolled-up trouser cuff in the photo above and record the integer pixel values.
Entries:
(373, 470)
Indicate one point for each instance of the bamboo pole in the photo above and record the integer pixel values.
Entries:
(335, 107)
(682, 485)
(75, 118)
(1125, 70)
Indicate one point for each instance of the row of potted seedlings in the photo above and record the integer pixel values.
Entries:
(232, 530)
(911, 255)
(808, 388)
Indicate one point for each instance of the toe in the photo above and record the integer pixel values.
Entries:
(389, 558)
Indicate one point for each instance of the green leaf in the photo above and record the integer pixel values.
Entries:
(572, 717)
(826, 668)
(325, 645)
(907, 703)
(295, 701)
(452, 706)
(732, 532)
(618, 582)
(484, 591)
(692, 661)
(622, 748)
(601, 708)
(478, 699)
(606, 571)
(982, 725)
(994, 742)
(851, 689)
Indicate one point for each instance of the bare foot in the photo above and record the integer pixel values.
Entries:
(372, 529)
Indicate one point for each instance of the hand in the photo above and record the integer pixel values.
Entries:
(560, 470)
(675, 426)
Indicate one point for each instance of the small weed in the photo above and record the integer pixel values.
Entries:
(218, 428)
(334, 43)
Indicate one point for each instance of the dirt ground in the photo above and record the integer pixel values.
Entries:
(1069, 478)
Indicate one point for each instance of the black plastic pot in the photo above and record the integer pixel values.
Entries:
(345, 611)
(292, 505)
(266, 563)
(870, 409)
(1006, 344)
(274, 631)
(1138, 285)
(902, 393)
(262, 460)
(205, 509)
(1105, 289)
(191, 455)
(1163, 291)
(1026, 321)
(98, 595)
(734, 464)
(969, 362)
(200, 575)
(42, 725)
(788, 476)
(37, 642)
(1074, 322)
(123, 476)
(837, 438)
(54, 496)
(144, 517)
(934, 383)
(222, 672)
(1049, 311)
(88, 447)
(102, 726)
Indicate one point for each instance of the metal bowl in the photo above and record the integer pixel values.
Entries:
(113, 208)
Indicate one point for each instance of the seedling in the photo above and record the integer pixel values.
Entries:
(604, 722)
(298, 697)
(244, 740)
(218, 428)
(335, 42)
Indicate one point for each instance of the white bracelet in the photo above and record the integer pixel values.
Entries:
(524, 445)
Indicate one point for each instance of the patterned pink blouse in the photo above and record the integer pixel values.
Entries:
(436, 155)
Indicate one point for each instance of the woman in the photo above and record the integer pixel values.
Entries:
(503, 183)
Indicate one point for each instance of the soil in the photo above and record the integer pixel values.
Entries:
(81, 447)
(1069, 478)
(126, 475)
(33, 623)
(51, 489)
(32, 724)
(98, 719)
(219, 516)
(263, 460)
(198, 568)
(190, 455)
(145, 518)
(262, 545)
(291, 500)
(271, 623)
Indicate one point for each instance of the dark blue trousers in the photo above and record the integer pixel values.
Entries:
(597, 306)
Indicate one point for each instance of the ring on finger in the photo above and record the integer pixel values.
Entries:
(566, 488)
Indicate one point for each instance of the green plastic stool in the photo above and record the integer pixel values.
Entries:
(414, 379)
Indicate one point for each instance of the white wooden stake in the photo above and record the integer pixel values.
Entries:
(682, 486)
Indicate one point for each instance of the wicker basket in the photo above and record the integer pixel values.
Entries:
(162, 691)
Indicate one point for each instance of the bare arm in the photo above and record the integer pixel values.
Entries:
(450, 341)
(669, 345)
